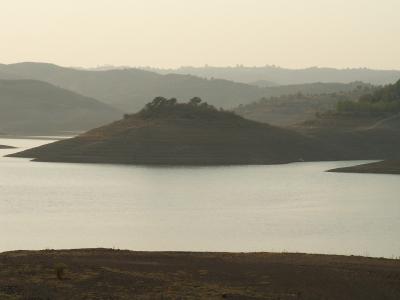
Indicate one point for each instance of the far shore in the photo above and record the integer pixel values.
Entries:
(6, 147)
(381, 167)
(37, 137)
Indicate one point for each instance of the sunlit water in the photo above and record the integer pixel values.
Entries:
(295, 207)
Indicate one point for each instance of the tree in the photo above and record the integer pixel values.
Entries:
(158, 101)
(172, 102)
(195, 101)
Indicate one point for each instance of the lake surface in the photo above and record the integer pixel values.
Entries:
(295, 207)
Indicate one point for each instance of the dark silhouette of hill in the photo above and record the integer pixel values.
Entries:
(130, 89)
(382, 167)
(34, 107)
(299, 107)
(282, 76)
(194, 133)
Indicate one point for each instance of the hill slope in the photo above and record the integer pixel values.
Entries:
(296, 108)
(183, 134)
(356, 136)
(367, 129)
(34, 107)
(130, 89)
(383, 100)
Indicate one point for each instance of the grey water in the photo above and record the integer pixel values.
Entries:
(295, 207)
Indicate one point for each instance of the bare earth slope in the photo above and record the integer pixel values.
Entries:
(183, 134)
(359, 137)
(121, 275)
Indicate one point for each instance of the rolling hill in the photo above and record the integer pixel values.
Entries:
(32, 107)
(130, 89)
(166, 132)
(365, 129)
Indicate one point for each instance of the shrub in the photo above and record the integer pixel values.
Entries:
(60, 270)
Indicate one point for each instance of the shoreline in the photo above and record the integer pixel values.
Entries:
(385, 167)
(35, 137)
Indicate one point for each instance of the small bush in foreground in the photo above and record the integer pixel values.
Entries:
(60, 270)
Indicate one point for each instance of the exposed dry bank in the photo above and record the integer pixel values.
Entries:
(113, 274)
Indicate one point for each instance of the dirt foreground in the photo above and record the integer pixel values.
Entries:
(116, 274)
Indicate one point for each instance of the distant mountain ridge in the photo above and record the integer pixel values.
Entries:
(34, 107)
(130, 89)
(284, 76)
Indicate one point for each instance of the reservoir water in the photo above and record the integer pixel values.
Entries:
(295, 207)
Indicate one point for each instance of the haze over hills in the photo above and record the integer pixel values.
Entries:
(130, 89)
(39, 108)
(168, 133)
(272, 75)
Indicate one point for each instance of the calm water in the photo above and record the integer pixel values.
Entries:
(295, 207)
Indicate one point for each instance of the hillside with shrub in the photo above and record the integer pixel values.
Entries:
(366, 129)
(170, 133)
(299, 107)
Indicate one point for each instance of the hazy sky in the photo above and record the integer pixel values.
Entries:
(170, 33)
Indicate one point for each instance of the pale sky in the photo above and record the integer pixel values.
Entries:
(171, 33)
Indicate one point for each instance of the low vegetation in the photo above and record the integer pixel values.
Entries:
(60, 270)
(161, 107)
